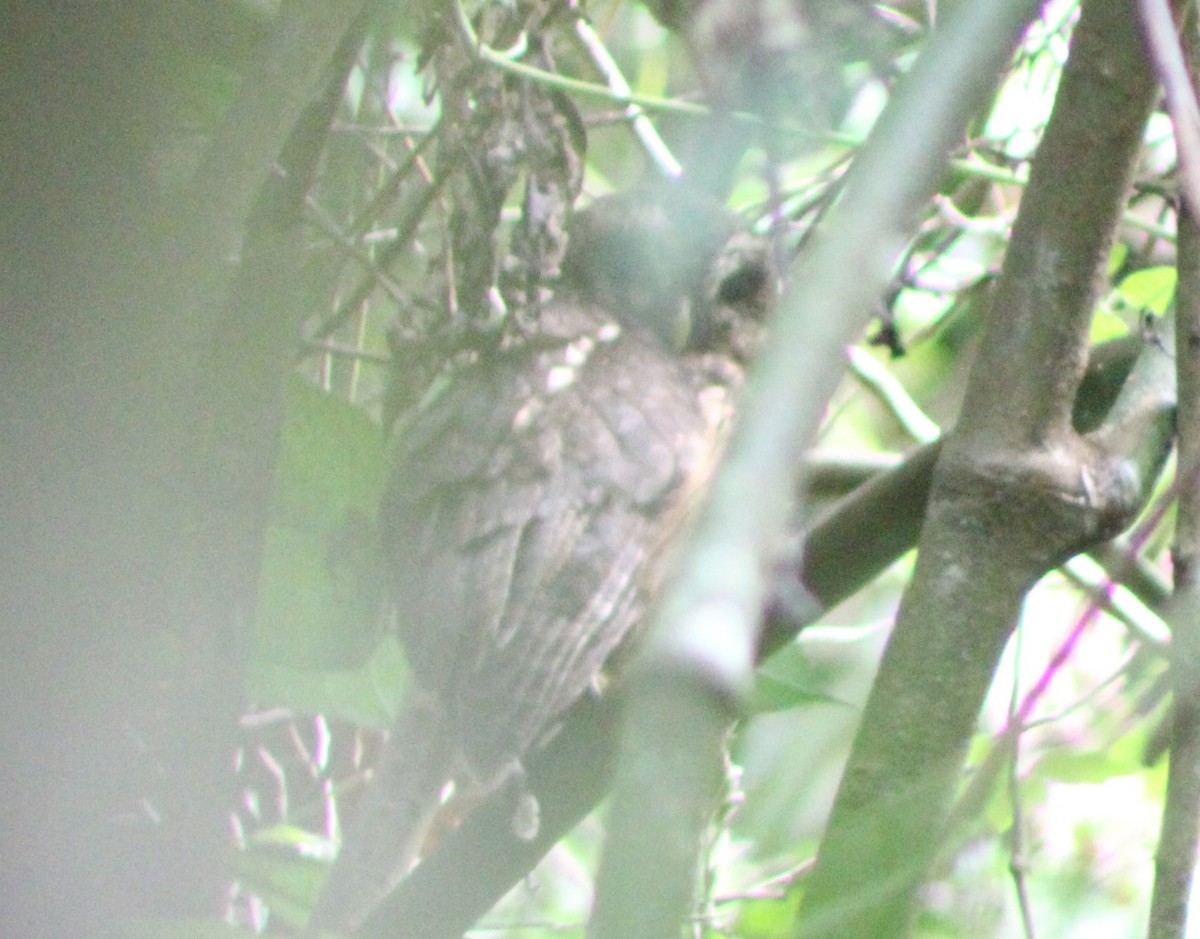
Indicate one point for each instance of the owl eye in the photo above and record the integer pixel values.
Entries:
(745, 275)
(744, 286)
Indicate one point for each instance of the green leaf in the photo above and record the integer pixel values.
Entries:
(1117, 257)
(768, 918)
(369, 695)
(288, 884)
(320, 602)
(1087, 766)
(794, 677)
(1150, 289)
(317, 607)
(304, 842)
(1107, 324)
(331, 461)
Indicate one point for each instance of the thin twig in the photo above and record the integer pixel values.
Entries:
(1017, 862)
(655, 147)
(1162, 38)
(388, 192)
(352, 248)
(617, 87)
(407, 231)
(505, 61)
(326, 347)
(974, 165)
(1175, 858)
(872, 373)
(1118, 601)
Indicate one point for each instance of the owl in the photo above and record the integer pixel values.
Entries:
(535, 494)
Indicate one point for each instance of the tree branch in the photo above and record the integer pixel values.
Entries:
(1016, 492)
(843, 551)
(703, 644)
(1175, 859)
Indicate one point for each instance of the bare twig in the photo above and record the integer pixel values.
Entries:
(1162, 39)
(406, 232)
(872, 373)
(1018, 863)
(643, 128)
(1175, 859)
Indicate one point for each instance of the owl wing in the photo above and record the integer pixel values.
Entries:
(527, 503)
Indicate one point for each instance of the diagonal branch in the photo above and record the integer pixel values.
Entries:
(700, 653)
(1017, 491)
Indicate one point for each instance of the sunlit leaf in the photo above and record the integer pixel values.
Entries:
(1087, 766)
(1150, 289)
(768, 918)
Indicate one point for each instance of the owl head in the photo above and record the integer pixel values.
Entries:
(675, 263)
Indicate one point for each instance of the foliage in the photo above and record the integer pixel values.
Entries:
(790, 753)
(399, 276)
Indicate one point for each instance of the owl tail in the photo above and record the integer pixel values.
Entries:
(385, 837)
